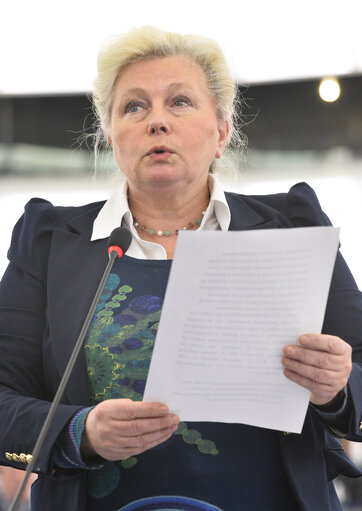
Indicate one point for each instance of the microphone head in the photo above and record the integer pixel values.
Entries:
(119, 241)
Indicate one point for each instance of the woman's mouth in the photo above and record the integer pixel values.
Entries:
(159, 154)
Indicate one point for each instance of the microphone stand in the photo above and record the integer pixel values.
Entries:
(113, 254)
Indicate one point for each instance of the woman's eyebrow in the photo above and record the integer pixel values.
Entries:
(138, 91)
(142, 92)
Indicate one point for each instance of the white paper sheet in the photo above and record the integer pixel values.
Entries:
(233, 301)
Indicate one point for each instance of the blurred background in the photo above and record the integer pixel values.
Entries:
(299, 70)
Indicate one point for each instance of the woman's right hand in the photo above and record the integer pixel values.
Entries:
(117, 429)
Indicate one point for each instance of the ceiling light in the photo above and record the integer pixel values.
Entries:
(329, 89)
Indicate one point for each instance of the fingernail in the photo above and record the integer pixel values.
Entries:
(289, 350)
(172, 420)
(175, 419)
(304, 338)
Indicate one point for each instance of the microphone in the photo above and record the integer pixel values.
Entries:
(119, 241)
(118, 244)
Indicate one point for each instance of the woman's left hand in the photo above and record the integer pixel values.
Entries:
(321, 363)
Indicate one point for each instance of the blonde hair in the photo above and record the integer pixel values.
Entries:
(148, 42)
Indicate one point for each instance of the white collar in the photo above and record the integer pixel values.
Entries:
(116, 211)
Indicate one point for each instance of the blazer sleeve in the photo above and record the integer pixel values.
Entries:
(343, 316)
(24, 397)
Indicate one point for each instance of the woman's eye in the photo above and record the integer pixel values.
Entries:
(133, 107)
(182, 101)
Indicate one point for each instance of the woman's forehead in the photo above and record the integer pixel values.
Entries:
(170, 72)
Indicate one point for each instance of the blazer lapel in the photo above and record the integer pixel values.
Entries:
(244, 217)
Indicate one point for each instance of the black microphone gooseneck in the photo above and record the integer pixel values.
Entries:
(118, 243)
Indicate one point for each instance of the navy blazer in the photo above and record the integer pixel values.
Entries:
(45, 294)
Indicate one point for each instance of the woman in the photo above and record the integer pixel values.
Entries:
(165, 106)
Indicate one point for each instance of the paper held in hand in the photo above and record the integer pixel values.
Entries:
(233, 301)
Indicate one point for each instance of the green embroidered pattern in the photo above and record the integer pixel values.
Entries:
(193, 437)
(129, 463)
(120, 343)
(102, 371)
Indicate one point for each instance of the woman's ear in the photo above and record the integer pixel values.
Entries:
(109, 140)
(224, 130)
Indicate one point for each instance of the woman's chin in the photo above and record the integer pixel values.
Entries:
(163, 176)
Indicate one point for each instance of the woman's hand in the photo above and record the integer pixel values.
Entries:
(117, 429)
(321, 363)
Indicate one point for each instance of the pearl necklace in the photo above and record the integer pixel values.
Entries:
(168, 232)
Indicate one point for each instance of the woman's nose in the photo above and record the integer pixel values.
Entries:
(158, 123)
(156, 128)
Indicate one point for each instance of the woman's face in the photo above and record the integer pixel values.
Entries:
(164, 129)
